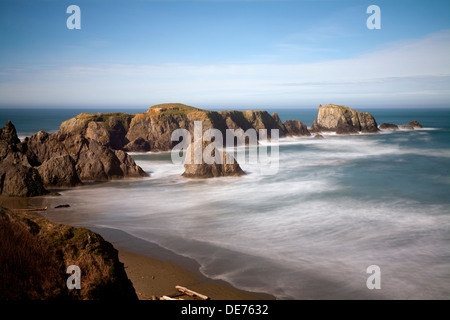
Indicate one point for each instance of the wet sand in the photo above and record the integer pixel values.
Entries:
(156, 271)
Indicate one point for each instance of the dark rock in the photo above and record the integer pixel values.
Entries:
(62, 206)
(9, 134)
(59, 171)
(138, 145)
(296, 128)
(19, 180)
(35, 254)
(389, 126)
(415, 124)
(17, 177)
(318, 136)
(86, 159)
(109, 129)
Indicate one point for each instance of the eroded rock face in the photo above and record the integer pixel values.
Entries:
(343, 120)
(87, 159)
(296, 128)
(37, 252)
(223, 164)
(45, 161)
(152, 130)
(17, 177)
(109, 129)
(9, 134)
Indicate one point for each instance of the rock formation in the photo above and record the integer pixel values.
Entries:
(296, 128)
(415, 124)
(412, 125)
(222, 165)
(343, 120)
(152, 130)
(17, 176)
(389, 126)
(57, 160)
(35, 254)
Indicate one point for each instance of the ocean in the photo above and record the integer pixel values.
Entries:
(336, 206)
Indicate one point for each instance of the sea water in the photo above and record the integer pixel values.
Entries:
(336, 206)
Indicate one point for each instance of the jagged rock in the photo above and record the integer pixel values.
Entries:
(389, 126)
(343, 120)
(138, 145)
(17, 177)
(296, 128)
(92, 161)
(415, 124)
(36, 253)
(59, 171)
(152, 130)
(109, 129)
(225, 164)
(9, 134)
(18, 180)
(263, 120)
(277, 119)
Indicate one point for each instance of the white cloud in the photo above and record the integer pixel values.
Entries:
(413, 71)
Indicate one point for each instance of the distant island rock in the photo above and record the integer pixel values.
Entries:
(57, 160)
(152, 130)
(388, 126)
(412, 125)
(35, 254)
(343, 120)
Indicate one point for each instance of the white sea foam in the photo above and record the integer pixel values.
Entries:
(308, 225)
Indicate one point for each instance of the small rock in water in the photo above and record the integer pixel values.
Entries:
(318, 136)
(415, 124)
(62, 206)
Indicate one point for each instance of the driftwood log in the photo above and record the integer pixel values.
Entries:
(191, 293)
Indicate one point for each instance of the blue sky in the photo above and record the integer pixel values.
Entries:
(212, 53)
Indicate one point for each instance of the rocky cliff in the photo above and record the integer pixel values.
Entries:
(35, 254)
(58, 159)
(343, 120)
(152, 130)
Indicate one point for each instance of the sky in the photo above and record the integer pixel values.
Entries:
(224, 53)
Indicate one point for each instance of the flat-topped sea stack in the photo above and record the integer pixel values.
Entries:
(343, 120)
(152, 130)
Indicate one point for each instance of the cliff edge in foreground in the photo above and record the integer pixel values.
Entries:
(35, 254)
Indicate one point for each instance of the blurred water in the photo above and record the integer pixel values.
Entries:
(336, 206)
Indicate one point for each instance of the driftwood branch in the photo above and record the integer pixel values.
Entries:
(32, 209)
(191, 293)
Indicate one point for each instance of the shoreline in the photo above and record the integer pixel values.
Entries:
(155, 271)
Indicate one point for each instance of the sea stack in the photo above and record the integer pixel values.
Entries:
(223, 164)
(343, 120)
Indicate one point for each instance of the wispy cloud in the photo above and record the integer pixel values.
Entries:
(414, 71)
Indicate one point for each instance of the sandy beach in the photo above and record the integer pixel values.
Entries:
(156, 271)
